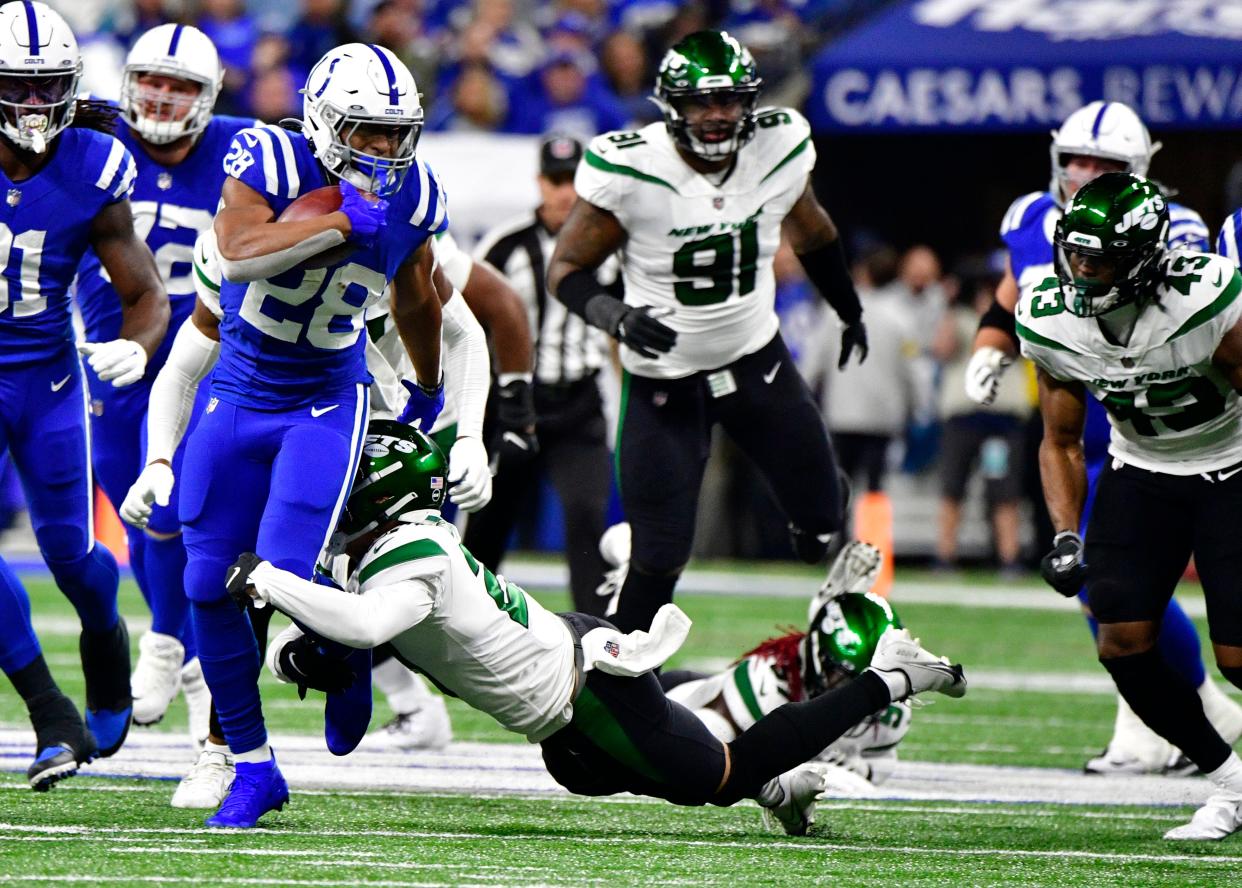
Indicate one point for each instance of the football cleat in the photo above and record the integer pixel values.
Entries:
(1219, 817)
(1223, 712)
(197, 702)
(109, 703)
(899, 655)
(258, 787)
(1133, 749)
(427, 727)
(799, 789)
(207, 783)
(61, 740)
(157, 677)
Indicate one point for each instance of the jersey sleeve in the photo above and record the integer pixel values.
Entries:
(1227, 240)
(263, 158)
(601, 178)
(1187, 230)
(785, 137)
(1220, 300)
(403, 558)
(113, 166)
(207, 274)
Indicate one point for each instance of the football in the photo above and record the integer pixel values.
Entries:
(311, 205)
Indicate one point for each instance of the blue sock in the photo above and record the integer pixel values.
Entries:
(90, 584)
(1179, 644)
(18, 643)
(230, 659)
(165, 570)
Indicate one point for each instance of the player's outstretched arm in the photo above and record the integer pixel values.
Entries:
(816, 241)
(417, 294)
(589, 236)
(144, 301)
(252, 249)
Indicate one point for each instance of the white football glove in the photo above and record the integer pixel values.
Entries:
(984, 372)
(469, 477)
(121, 361)
(154, 485)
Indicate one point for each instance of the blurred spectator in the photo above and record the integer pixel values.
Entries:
(920, 292)
(321, 27)
(235, 35)
(627, 73)
(867, 405)
(512, 48)
(274, 95)
(476, 103)
(136, 18)
(396, 25)
(563, 100)
(988, 439)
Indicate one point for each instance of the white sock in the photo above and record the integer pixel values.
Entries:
(403, 689)
(222, 748)
(254, 756)
(898, 684)
(1229, 775)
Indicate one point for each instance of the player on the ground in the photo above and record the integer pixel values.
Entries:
(1097, 138)
(573, 683)
(1156, 336)
(170, 82)
(699, 204)
(272, 458)
(66, 190)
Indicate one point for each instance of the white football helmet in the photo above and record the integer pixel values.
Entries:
(39, 72)
(178, 51)
(1110, 130)
(360, 85)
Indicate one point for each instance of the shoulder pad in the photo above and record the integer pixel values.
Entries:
(264, 158)
(1187, 229)
(107, 162)
(1025, 209)
(783, 136)
(1227, 242)
(423, 193)
(1041, 316)
(412, 550)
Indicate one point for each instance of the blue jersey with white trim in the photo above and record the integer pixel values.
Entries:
(288, 340)
(1031, 221)
(45, 228)
(171, 205)
(1229, 237)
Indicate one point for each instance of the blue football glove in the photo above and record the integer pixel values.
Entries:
(365, 218)
(423, 407)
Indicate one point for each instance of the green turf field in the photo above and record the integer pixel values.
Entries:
(1039, 700)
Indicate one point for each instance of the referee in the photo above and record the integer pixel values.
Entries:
(570, 441)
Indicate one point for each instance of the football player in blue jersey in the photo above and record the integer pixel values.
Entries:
(66, 189)
(170, 82)
(1097, 138)
(1228, 239)
(272, 459)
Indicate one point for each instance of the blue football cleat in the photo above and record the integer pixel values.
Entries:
(109, 702)
(61, 740)
(258, 787)
(347, 715)
(110, 728)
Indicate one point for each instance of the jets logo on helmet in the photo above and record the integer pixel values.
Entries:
(1109, 243)
(842, 639)
(171, 80)
(363, 90)
(706, 68)
(1107, 130)
(39, 72)
(401, 471)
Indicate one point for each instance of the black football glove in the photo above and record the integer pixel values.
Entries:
(307, 665)
(1063, 568)
(515, 419)
(237, 578)
(854, 336)
(630, 325)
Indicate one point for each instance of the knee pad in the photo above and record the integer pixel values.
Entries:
(204, 582)
(90, 583)
(63, 546)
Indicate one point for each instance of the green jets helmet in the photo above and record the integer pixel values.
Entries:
(842, 639)
(401, 470)
(1109, 243)
(703, 68)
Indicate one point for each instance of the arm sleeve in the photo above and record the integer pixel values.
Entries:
(467, 365)
(192, 356)
(455, 261)
(361, 621)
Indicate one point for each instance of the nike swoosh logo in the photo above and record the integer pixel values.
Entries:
(1225, 476)
(57, 386)
(233, 574)
(771, 374)
(320, 411)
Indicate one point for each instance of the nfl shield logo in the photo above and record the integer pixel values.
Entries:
(612, 649)
(659, 399)
(212, 404)
(718, 203)
(164, 181)
(14, 197)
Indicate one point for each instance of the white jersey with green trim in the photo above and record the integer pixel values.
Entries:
(753, 687)
(703, 251)
(1171, 409)
(482, 638)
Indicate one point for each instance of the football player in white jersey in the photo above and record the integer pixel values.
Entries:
(571, 682)
(698, 205)
(1156, 337)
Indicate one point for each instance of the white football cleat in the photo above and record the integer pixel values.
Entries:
(899, 657)
(427, 727)
(207, 782)
(1223, 712)
(197, 702)
(1220, 816)
(796, 792)
(157, 676)
(1133, 749)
